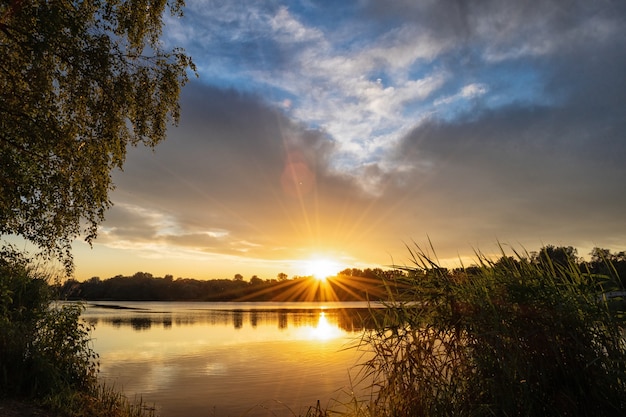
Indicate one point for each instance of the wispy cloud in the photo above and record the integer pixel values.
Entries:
(286, 29)
(467, 92)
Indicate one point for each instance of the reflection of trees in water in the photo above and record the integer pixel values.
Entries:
(254, 318)
(141, 323)
(282, 320)
(349, 320)
(238, 319)
(91, 321)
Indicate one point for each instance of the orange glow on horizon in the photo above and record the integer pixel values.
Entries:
(322, 268)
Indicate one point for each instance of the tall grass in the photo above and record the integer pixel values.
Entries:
(100, 401)
(507, 338)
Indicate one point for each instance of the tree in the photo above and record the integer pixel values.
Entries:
(559, 256)
(281, 276)
(604, 262)
(599, 255)
(255, 280)
(79, 82)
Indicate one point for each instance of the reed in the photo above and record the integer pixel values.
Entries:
(513, 337)
(101, 401)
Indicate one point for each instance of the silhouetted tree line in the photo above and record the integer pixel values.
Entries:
(351, 284)
(142, 286)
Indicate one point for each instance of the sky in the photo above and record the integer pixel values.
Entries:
(352, 131)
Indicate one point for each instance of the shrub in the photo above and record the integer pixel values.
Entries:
(44, 347)
(507, 338)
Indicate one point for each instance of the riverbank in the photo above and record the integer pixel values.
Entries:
(24, 408)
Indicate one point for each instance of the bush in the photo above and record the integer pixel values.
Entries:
(44, 347)
(507, 338)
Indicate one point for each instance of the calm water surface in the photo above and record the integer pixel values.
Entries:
(230, 359)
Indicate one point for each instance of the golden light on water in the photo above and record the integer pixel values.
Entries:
(324, 329)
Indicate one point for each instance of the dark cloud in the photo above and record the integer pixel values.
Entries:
(521, 173)
(124, 223)
(241, 171)
(569, 45)
(472, 20)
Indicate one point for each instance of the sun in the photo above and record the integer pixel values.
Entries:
(322, 268)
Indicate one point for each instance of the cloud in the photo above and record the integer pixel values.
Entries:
(360, 126)
(287, 29)
(504, 30)
(515, 174)
(467, 92)
(236, 176)
(367, 85)
(338, 90)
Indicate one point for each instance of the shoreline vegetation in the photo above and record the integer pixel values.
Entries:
(47, 365)
(533, 334)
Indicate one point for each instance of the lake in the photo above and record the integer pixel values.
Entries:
(192, 359)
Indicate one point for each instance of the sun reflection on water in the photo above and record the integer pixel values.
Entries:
(324, 329)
